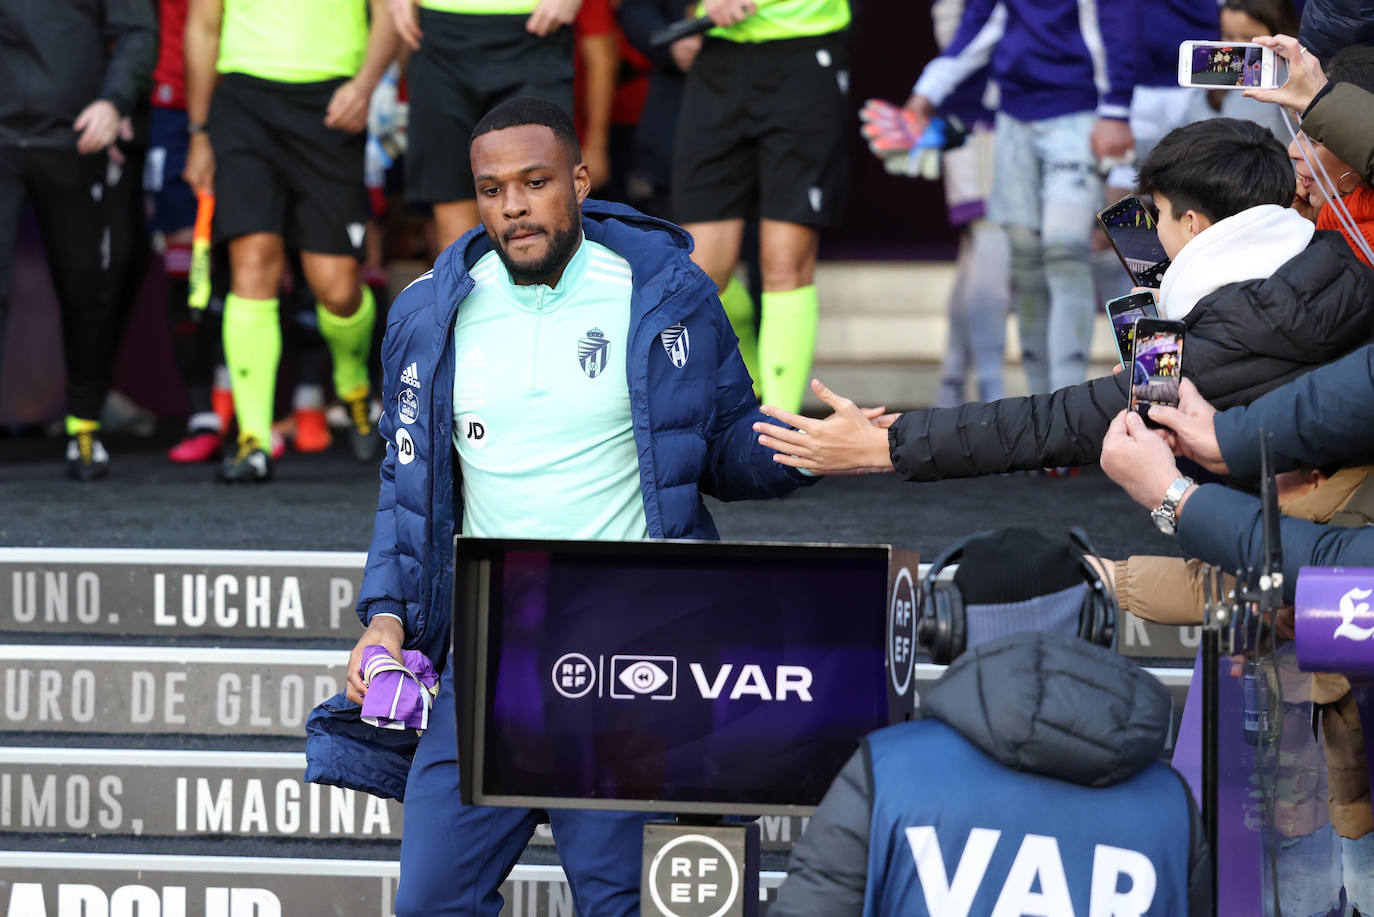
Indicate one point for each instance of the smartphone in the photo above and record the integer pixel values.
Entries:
(1156, 364)
(1226, 65)
(1130, 227)
(1123, 312)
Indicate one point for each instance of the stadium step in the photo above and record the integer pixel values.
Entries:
(148, 699)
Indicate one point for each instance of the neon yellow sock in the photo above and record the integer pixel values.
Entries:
(787, 341)
(252, 350)
(739, 308)
(350, 341)
(77, 425)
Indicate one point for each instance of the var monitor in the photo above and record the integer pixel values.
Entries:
(669, 676)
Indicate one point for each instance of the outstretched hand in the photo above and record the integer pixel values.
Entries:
(850, 441)
(1190, 428)
(1138, 459)
(1305, 75)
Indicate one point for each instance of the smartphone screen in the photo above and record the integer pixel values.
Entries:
(1123, 311)
(1156, 364)
(1130, 226)
(1221, 65)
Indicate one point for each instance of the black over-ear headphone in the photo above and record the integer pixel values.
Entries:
(943, 628)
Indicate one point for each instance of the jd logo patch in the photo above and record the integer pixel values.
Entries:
(592, 351)
(676, 344)
(473, 430)
(405, 446)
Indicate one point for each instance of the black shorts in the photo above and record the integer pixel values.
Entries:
(763, 131)
(278, 169)
(466, 65)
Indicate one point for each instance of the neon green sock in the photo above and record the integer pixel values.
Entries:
(252, 350)
(77, 425)
(739, 308)
(787, 341)
(350, 341)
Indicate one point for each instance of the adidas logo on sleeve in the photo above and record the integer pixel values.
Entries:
(411, 375)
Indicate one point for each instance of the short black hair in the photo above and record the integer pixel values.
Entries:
(1355, 65)
(1219, 167)
(524, 110)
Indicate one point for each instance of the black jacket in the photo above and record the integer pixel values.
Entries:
(1102, 720)
(1242, 341)
(58, 57)
(1325, 418)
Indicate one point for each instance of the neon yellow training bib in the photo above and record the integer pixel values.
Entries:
(481, 7)
(777, 19)
(293, 41)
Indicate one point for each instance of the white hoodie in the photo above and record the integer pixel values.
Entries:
(1248, 246)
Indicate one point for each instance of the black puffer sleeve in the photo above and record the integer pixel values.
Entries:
(1014, 434)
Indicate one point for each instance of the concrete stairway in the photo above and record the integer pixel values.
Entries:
(883, 333)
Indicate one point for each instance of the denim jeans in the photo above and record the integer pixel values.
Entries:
(1047, 193)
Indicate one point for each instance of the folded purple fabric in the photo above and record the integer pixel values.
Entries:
(399, 694)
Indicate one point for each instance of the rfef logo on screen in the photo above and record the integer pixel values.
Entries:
(655, 677)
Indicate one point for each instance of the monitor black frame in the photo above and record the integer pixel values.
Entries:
(472, 559)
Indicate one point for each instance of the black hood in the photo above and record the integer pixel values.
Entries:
(1056, 706)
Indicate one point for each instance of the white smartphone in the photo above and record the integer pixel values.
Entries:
(1226, 65)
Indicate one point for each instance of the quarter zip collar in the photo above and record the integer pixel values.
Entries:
(540, 298)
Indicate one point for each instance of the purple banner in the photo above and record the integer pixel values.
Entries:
(1335, 619)
(1239, 850)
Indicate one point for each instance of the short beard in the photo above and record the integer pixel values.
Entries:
(562, 243)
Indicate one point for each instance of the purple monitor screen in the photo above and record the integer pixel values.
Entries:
(699, 678)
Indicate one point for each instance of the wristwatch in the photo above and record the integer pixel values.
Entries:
(1166, 516)
(193, 128)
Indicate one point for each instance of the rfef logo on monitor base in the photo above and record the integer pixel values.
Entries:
(693, 876)
(901, 632)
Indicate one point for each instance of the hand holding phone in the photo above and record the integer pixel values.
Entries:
(1226, 65)
(1123, 312)
(1130, 226)
(1156, 365)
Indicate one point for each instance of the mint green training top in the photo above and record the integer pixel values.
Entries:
(541, 403)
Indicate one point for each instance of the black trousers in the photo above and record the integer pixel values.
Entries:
(70, 196)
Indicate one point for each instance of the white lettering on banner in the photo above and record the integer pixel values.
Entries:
(340, 599)
(64, 805)
(58, 589)
(205, 601)
(1038, 865)
(1136, 634)
(217, 812)
(79, 900)
(42, 696)
(788, 679)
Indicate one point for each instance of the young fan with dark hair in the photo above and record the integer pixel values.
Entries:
(1230, 178)
(1263, 300)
